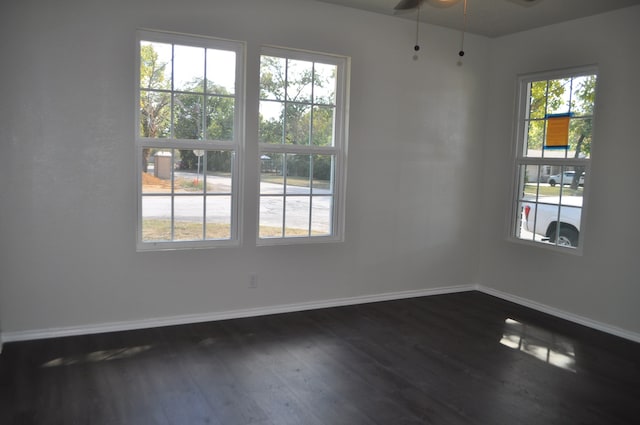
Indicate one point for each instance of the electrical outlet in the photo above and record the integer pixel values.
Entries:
(253, 280)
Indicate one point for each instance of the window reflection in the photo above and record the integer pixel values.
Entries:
(98, 356)
(539, 343)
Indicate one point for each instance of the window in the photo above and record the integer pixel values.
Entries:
(301, 146)
(188, 140)
(554, 139)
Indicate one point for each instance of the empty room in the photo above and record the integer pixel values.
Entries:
(266, 212)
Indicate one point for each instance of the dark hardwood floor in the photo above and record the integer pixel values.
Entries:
(463, 358)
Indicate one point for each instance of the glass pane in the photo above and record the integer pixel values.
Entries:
(322, 130)
(321, 214)
(220, 114)
(558, 94)
(188, 68)
(219, 165)
(157, 170)
(299, 80)
(156, 218)
(188, 110)
(537, 99)
(323, 167)
(272, 77)
(297, 172)
(271, 126)
(583, 95)
(525, 223)
(297, 124)
(529, 181)
(155, 114)
(573, 186)
(271, 214)
(218, 217)
(155, 66)
(297, 216)
(188, 218)
(324, 83)
(271, 173)
(580, 138)
(569, 227)
(221, 71)
(534, 139)
(190, 178)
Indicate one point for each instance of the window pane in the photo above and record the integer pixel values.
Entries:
(558, 94)
(155, 65)
(271, 214)
(534, 138)
(321, 214)
(580, 138)
(157, 170)
(271, 173)
(323, 167)
(219, 165)
(272, 77)
(271, 127)
(218, 217)
(155, 114)
(583, 95)
(220, 112)
(297, 216)
(299, 80)
(156, 218)
(221, 71)
(297, 181)
(324, 83)
(188, 109)
(537, 99)
(297, 124)
(322, 130)
(188, 68)
(188, 218)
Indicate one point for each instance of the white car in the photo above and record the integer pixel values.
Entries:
(566, 179)
(544, 217)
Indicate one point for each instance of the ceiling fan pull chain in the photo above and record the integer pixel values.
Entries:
(464, 28)
(417, 46)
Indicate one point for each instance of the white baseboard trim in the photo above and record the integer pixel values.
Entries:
(288, 308)
(224, 315)
(581, 320)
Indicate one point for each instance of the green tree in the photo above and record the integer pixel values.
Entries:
(155, 113)
(580, 131)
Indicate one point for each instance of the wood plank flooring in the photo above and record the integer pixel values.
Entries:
(464, 358)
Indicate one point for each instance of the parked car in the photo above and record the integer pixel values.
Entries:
(567, 179)
(546, 216)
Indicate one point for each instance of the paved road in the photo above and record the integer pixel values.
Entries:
(218, 208)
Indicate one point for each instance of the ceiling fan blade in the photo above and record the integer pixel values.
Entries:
(407, 4)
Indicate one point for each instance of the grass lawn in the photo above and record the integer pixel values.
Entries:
(530, 190)
(294, 181)
(160, 230)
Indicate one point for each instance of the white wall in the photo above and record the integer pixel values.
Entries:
(68, 173)
(603, 284)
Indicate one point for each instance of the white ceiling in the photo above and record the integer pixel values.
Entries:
(494, 18)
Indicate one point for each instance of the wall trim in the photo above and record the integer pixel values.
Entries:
(581, 320)
(313, 305)
(224, 315)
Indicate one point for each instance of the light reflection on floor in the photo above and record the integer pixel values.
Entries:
(539, 343)
(97, 356)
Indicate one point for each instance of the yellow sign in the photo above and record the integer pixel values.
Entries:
(557, 131)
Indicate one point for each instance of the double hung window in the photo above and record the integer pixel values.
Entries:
(188, 140)
(552, 166)
(302, 147)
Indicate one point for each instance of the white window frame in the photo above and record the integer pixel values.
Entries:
(236, 145)
(339, 148)
(520, 160)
